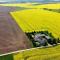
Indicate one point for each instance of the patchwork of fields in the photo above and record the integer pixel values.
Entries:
(32, 5)
(34, 18)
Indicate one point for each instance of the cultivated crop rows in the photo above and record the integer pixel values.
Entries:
(37, 20)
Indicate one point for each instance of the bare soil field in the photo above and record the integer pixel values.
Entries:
(12, 38)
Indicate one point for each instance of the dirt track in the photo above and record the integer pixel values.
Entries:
(11, 36)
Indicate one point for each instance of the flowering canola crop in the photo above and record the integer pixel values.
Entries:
(37, 20)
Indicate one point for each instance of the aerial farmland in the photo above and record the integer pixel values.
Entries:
(21, 22)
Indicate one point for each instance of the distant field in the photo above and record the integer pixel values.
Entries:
(18, 4)
(34, 5)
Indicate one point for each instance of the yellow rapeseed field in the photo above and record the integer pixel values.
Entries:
(31, 5)
(37, 20)
(52, 53)
(51, 6)
(18, 4)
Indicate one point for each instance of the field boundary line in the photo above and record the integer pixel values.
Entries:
(27, 50)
